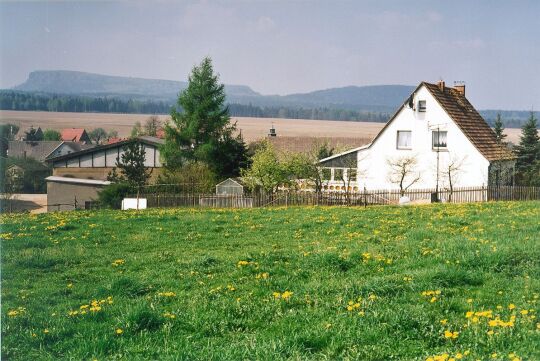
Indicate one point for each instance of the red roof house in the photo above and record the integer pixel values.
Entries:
(75, 135)
(160, 133)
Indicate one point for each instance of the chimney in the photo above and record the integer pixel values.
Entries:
(460, 88)
(440, 84)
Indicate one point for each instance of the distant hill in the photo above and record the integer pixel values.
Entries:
(384, 98)
(355, 97)
(63, 90)
(80, 83)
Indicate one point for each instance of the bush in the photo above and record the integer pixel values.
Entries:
(112, 195)
(194, 177)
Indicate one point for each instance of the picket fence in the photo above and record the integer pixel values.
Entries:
(362, 198)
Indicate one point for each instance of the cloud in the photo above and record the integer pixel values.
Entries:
(459, 44)
(204, 14)
(434, 16)
(263, 24)
(469, 43)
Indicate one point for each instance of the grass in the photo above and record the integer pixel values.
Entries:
(379, 283)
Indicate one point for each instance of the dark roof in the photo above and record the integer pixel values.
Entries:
(29, 166)
(36, 150)
(307, 144)
(78, 146)
(470, 122)
(144, 140)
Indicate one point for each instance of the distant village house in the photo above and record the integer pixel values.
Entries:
(75, 135)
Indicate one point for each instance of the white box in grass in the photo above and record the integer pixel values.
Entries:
(133, 203)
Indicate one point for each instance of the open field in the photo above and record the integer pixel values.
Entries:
(252, 128)
(381, 283)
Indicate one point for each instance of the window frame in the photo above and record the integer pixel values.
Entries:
(397, 140)
(329, 178)
(350, 172)
(422, 106)
(334, 175)
(438, 147)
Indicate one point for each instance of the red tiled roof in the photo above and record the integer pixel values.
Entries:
(114, 140)
(72, 134)
(160, 133)
(470, 122)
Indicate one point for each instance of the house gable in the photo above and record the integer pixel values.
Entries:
(471, 123)
(75, 135)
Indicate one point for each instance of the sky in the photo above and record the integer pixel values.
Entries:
(283, 47)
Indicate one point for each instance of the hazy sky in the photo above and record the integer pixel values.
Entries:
(281, 47)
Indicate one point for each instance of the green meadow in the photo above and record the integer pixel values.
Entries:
(438, 282)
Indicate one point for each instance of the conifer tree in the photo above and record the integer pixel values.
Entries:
(528, 150)
(202, 131)
(131, 166)
(499, 129)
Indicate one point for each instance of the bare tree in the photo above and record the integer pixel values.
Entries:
(353, 172)
(450, 173)
(305, 166)
(403, 172)
(152, 125)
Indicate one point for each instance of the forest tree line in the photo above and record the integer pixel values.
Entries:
(29, 101)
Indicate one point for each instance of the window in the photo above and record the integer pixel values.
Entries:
(404, 139)
(338, 174)
(351, 174)
(421, 105)
(326, 174)
(439, 139)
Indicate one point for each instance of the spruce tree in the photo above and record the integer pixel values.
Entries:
(528, 150)
(131, 166)
(499, 129)
(202, 131)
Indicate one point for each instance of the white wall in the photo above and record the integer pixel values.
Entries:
(373, 169)
(112, 154)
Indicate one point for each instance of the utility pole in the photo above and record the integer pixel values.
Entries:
(437, 128)
(438, 155)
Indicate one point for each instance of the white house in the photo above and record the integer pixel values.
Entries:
(439, 130)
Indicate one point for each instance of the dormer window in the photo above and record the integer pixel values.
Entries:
(422, 106)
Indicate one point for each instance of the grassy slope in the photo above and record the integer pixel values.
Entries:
(479, 256)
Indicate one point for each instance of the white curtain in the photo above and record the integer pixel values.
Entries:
(404, 139)
(439, 139)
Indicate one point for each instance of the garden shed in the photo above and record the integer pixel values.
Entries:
(233, 186)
